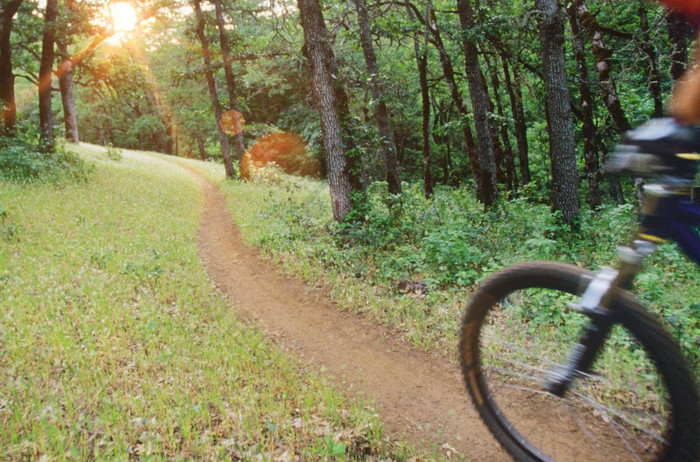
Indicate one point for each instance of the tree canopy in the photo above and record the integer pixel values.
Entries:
(505, 98)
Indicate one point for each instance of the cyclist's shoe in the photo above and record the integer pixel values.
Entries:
(660, 147)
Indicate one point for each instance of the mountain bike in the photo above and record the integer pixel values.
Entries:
(565, 364)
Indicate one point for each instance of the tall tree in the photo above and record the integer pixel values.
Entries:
(647, 47)
(480, 104)
(602, 55)
(677, 28)
(7, 77)
(421, 53)
(507, 150)
(46, 74)
(560, 121)
(321, 59)
(211, 84)
(430, 21)
(65, 72)
(381, 114)
(590, 150)
(228, 71)
(515, 94)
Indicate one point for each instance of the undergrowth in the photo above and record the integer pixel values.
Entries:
(412, 262)
(23, 158)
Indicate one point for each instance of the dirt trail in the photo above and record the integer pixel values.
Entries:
(419, 397)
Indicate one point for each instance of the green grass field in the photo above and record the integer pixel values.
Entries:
(115, 345)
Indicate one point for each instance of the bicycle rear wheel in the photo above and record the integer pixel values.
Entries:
(638, 403)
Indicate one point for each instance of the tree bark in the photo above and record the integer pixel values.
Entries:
(211, 83)
(46, 75)
(648, 48)
(588, 130)
(321, 61)
(560, 121)
(380, 110)
(509, 157)
(516, 104)
(202, 148)
(480, 103)
(609, 92)
(65, 81)
(449, 74)
(228, 71)
(7, 77)
(677, 28)
(422, 64)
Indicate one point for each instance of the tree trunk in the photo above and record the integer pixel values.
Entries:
(648, 48)
(442, 139)
(202, 148)
(677, 30)
(321, 61)
(46, 75)
(509, 157)
(211, 83)
(380, 111)
(228, 71)
(516, 104)
(449, 74)
(480, 102)
(7, 77)
(588, 132)
(560, 121)
(422, 63)
(609, 92)
(65, 81)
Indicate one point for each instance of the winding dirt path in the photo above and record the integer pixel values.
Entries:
(419, 397)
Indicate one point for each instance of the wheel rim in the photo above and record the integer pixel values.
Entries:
(618, 413)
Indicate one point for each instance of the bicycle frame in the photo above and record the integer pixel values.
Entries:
(672, 217)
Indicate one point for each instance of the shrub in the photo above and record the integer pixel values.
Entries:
(23, 158)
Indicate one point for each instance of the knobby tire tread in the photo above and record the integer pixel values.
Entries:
(658, 344)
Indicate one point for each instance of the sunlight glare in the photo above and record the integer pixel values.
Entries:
(124, 18)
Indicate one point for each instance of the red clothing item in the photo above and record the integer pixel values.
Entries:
(690, 8)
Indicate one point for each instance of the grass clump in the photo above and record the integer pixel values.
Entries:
(114, 344)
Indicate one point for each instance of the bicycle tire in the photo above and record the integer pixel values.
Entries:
(496, 296)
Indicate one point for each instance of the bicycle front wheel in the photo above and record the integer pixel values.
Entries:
(638, 402)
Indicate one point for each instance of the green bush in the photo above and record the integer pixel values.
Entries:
(23, 158)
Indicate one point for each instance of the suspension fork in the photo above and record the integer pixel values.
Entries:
(594, 303)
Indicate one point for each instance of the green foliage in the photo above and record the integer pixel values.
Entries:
(390, 247)
(22, 158)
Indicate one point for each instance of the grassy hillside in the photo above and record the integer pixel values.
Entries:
(115, 345)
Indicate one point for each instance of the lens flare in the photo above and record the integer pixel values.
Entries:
(287, 150)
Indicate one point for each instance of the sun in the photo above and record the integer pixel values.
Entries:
(123, 17)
